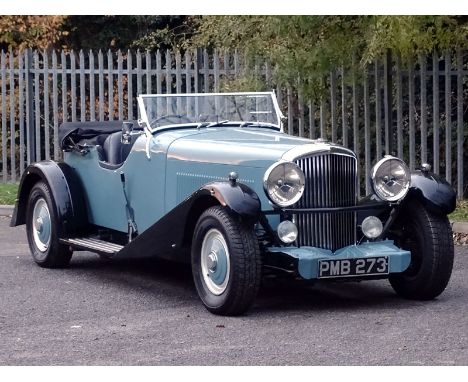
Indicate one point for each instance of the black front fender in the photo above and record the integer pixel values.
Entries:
(238, 197)
(434, 192)
(174, 231)
(66, 190)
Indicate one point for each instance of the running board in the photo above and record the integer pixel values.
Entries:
(93, 245)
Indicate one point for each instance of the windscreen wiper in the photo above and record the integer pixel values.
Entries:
(212, 124)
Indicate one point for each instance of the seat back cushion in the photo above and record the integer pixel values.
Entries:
(115, 151)
(113, 148)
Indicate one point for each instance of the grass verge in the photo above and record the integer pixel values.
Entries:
(461, 213)
(8, 193)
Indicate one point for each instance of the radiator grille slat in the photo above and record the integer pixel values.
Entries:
(330, 182)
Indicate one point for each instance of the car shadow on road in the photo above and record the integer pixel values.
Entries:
(146, 275)
(300, 296)
(174, 280)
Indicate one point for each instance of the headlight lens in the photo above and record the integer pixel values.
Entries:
(284, 183)
(372, 227)
(391, 178)
(287, 231)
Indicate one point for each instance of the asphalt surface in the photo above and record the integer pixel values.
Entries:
(99, 312)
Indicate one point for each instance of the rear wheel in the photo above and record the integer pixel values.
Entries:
(429, 238)
(41, 229)
(226, 263)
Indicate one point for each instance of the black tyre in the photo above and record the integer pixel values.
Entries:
(226, 262)
(41, 229)
(429, 238)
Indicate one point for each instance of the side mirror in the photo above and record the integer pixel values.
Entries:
(127, 128)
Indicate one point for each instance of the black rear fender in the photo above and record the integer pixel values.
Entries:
(67, 194)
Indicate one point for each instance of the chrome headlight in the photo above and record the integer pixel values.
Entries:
(284, 183)
(391, 178)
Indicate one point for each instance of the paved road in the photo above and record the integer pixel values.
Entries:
(98, 312)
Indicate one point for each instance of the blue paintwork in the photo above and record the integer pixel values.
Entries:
(145, 183)
(308, 257)
(251, 147)
(212, 154)
(105, 199)
(181, 161)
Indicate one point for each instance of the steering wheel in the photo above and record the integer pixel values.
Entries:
(171, 119)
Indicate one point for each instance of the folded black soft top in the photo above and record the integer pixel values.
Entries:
(88, 131)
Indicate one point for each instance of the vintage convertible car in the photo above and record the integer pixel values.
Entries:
(212, 179)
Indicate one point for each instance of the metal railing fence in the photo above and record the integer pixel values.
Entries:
(416, 110)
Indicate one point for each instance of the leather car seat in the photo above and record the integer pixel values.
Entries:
(115, 151)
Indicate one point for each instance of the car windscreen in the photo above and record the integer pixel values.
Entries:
(163, 110)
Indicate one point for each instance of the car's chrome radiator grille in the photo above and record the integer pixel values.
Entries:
(330, 182)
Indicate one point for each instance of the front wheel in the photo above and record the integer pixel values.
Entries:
(429, 238)
(226, 263)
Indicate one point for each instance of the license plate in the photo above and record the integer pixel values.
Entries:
(353, 267)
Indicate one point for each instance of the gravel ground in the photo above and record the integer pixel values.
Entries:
(460, 238)
(100, 312)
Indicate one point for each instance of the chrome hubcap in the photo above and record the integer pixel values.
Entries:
(41, 225)
(215, 264)
(212, 262)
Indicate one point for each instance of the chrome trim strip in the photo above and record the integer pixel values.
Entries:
(146, 127)
(253, 94)
(314, 148)
(95, 244)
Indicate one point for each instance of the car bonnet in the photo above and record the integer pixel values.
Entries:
(241, 146)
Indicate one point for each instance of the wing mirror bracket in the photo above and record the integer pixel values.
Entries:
(127, 128)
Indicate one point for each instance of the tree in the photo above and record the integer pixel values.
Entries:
(94, 32)
(42, 32)
(125, 32)
(307, 47)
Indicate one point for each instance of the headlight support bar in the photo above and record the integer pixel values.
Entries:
(330, 209)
